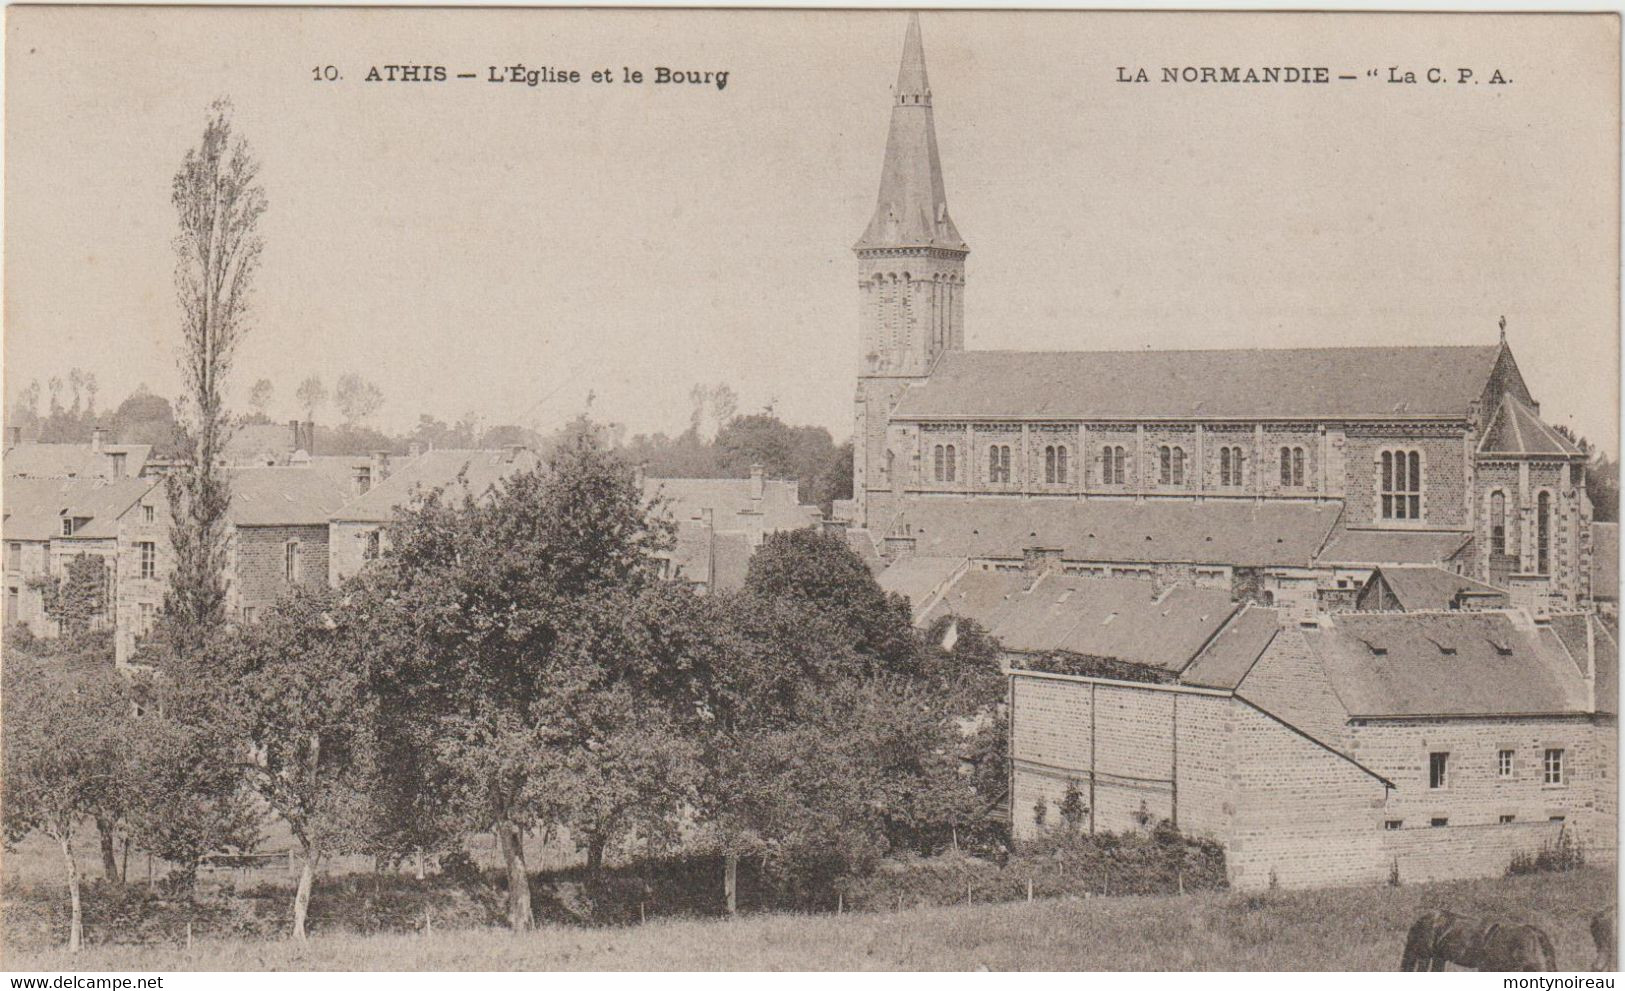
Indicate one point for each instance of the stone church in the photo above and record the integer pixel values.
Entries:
(1286, 475)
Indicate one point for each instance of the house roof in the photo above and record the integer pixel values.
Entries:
(862, 543)
(1225, 661)
(34, 507)
(1516, 429)
(260, 443)
(1423, 587)
(36, 460)
(1245, 384)
(305, 495)
(432, 470)
(919, 578)
(1442, 664)
(1236, 533)
(1605, 560)
(717, 560)
(1372, 547)
(1118, 618)
(730, 502)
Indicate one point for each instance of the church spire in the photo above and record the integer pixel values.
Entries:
(912, 210)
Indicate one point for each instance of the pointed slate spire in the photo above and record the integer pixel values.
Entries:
(912, 210)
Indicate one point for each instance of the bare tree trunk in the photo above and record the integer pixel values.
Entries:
(76, 918)
(301, 895)
(420, 874)
(595, 854)
(730, 881)
(513, 856)
(109, 851)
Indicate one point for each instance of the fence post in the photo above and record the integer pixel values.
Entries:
(188, 934)
(642, 917)
(840, 903)
(1029, 889)
(967, 892)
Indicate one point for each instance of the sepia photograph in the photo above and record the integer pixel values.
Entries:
(670, 490)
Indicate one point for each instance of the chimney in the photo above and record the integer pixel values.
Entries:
(296, 436)
(756, 483)
(361, 479)
(380, 466)
(14, 437)
(98, 439)
(310, 437)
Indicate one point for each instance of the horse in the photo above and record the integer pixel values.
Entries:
(1439, 937)
(1605, 933)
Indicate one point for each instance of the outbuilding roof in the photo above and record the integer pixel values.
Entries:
(285, 496)
(1445, 664)
(730, 501)
(1243, 384)
(920, 578)
(1123, 619)
(1353, 547)
(38, 460)
(1225, 661)
(35, 507)
(1420, 588)
(1244, 534)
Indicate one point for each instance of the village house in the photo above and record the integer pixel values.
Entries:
(49, 522)
(276, 537)
(1284, 475)
(1435, 745)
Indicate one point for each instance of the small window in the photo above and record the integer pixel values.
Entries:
(1506, 818)
(1438, 770)
(1552, 765)
(67, 526)
(251, 614)
(290, 563)
(14, 556)
(149, 558)
(1557, 819)
(148, 615)
(149, 514)
(1393, 823)
(1503, 764)
(1439, 821)
(374, 540)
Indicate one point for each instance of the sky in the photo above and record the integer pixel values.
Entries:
(511, 250)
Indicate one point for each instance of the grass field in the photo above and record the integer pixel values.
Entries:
(1342, 929)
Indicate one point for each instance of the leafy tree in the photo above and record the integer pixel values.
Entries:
(357, 398)
(821, 571)
(64, 744)
(79, 599)
(259, 397)
(293, 691)
(219, 202)
(312, 395)
(501, 590)
(145, 418)
(1601, 477)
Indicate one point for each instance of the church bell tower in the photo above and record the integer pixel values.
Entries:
(911, 283)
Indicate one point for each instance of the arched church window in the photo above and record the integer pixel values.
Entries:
(1055, 464)
(1113, 458)
(998, 463)
(1498, 522)
(938, 463)
(1543, 533)
(953, 468)
(1172, 467)
(1291, 466)
(1230, 466)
